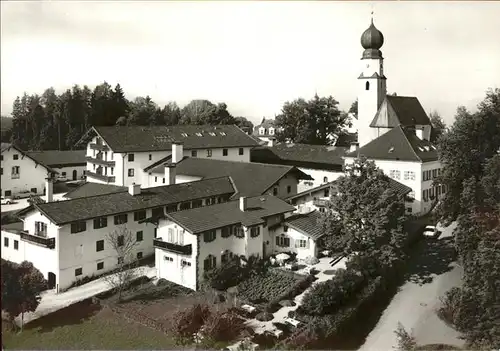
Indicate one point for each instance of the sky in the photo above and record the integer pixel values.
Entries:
(254, 56)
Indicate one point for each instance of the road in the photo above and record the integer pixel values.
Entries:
(431, 273)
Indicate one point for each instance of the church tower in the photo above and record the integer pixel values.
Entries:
(371, 83)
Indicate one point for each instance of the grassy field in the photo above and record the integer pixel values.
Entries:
(85, 326)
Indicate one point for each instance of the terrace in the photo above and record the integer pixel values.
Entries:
(40, 240)
(172, 247)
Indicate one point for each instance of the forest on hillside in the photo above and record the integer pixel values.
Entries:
(53, 121)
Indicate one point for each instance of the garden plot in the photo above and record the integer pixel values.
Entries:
(263, 289)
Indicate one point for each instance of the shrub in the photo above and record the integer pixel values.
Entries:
(450, 303)
(188, 322)
(161, 282)
(311, 260)
(264, 317)
(223, 326)
(225, 276)
(325, 297)
(406, 341)
(303, 338)
(266, 341)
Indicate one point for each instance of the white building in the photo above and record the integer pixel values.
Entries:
(249, 178)
(67, 240)
(394, 131)
(191, 242)
(322, 162)
(118, 155)
(21, 174)
(266, 131)
(70, 164)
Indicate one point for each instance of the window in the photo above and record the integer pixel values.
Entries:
(186, 263)
(238, 232)
(241, 151)
(169, 259)
(63, 174)
(139, 255)
(41, 229)
(78, 272)
(1, 157)
(6, 242)
(100, 265)
(139, 215)
(156, 179)
(409, 175)
(367, 86)
(285, 228)
(209, 153)
(254, 232)
(326, 193)
(1, 171)
(197, 203)
(209, 263)
(212, 133)
(33, 190)
(130, 172)
(8, 193)
(120, 260)
(226, 232)
(99, 245)
(209, 236)
(443, 189)
(130, 157)
(262, 131)
(185, 206)
(409, 210)
(271, 131)
(155, 232)
(15, 157)
(283, 241)
(15, 172)
(424, 194)
(325, 179)
(300, 243)
(224, 152)
(171, 208)
(194, 153)
(163, 181)
(395, 174)
(16, 245)
(120, 240)
(157, 212)
(150, 157)
(289, 189)
(139, 235)
(121, 219)
(100, 222)
(78, 227)
(275, 191)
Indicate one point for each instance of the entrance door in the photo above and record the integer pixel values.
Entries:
(52, 280)
(74, 174)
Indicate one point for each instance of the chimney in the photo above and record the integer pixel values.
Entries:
(134, 189)
(243, 203)
(177, 151)
(354, 147)
(49, 189)
(170, 173)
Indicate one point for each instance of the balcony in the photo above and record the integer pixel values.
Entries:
(14, 176)
(49, 243)
(320, 202)
(176, 248)
(100, 161)
(100, 147)
(104, 178)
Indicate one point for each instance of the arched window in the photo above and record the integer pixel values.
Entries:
(367, 85)
(209, 263)
(325, 179)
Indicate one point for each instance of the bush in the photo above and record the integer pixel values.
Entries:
(162, 281)
(303, 338)
(223, 326)
(266, 341)
(450, 303)
(406, 341)
(226, 276)
(264, 317)
(325, 297)
(188, 322)
(311, 260)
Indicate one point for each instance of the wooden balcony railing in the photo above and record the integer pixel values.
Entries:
(100, 147)
(105, 178)
(49, 243)
(99, 161)
(176, 248)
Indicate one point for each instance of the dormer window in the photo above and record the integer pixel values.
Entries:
(212, 133)
(262, 131)
(271, 131)
(223, 133)
(199, 134)
(184, 134)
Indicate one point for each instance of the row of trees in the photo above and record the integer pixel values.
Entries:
(57, 121)
(470, 154)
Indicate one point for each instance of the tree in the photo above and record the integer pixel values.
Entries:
(142, 111)
(244, 123)
(172, 114)
(354, 108)
(310, 122)
(463, 150)
(205, 112)
(438, 125)
(367, 218)
(123, 242)
(21, 288)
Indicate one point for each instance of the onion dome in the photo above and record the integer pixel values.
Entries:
(372, 40)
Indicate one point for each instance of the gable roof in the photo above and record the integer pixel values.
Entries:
(85, 208)
(307, 224)
(94, 189)
(201, 219)
(398, 144)
(250, 179)
(8, 146)
(160, 138)
(302, 155)
(56, 158)
(400, 110)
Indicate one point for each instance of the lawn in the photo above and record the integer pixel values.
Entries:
(262, 289)
(85, 326)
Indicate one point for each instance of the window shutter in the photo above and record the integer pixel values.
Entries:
(278, 241)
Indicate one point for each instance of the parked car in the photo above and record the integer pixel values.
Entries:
(6, 200)
(431, 231)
